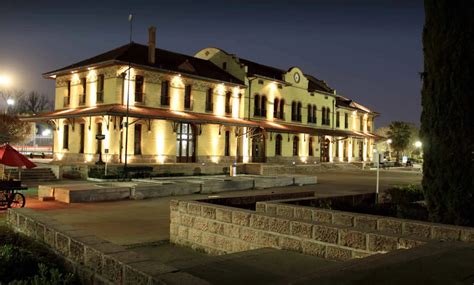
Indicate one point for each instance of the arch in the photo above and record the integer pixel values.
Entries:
(293, 111)
(310, 113)
(299, 112)
(278, 144)
(315, 120)
(296, 144)
(282, 109)
(276, 103)
(263, 106)
(256, 105)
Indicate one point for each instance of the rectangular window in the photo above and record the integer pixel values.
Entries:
(187, 97)
(66, 137)
(100, 88)
(67, 98)
(209, 100)
(82, 97)
(137, 141)
(165, 93)
(99, 142)
(82, 129)
(227, 144)
(139, 82)
(337, 119)
(346, 120)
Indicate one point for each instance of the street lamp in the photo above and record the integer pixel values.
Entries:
(418, 144)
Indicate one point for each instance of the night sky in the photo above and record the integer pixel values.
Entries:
(369, 51)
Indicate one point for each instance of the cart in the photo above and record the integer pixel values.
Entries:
(9, 197)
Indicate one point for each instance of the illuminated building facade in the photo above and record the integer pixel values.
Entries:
(213, 107)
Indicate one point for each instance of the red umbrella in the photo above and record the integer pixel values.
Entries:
(11, 157)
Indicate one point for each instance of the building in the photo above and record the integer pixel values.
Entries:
(213, 107)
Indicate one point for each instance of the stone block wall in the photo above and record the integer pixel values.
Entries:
(381, 224)
(92, 259)
(220, 230)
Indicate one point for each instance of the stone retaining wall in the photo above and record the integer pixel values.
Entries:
(220, 230)
(376, 223)
(94, 260)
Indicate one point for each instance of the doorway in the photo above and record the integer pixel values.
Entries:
(185, 143)
(258, 146)
(325, 150)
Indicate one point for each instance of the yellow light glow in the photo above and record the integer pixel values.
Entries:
(219, 109)
(304, 159)
(235, 102)
(341, 151)
(331, 155)
(349, 151)
(245, 146)
(89, 157)
(364, 151)
(215, 159)
(92, 78)
(5, 80)
(177, 93)
(59, 156)
(161, 159)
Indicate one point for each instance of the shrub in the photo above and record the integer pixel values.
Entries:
(405, 194)
(16, 263)
(46, 276)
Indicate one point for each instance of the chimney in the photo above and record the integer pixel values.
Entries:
(151, 44)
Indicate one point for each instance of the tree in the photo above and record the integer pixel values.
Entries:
(16, 95)
(12, 130)
(34, 103)
(447, 116)
(399, 133)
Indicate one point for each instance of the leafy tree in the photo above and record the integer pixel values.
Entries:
(399, 133)
(447, 117)
(12, 130)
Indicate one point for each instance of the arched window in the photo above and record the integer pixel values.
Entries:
(275, 108)
(282, 109)
(310, 113)
(264, 106)
(278, 141)
(296, 143)
(228, 106)
(293, 111)
(328, 116)
(323, 115)
(256, 107)
(314, 114)
(299, 112)
(310, 145)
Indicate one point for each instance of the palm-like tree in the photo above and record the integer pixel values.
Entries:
(399, 133)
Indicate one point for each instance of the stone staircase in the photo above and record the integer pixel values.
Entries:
(32, 175)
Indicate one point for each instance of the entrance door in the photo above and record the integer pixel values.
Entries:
(258, 147)
(325, 150)
(185, 143)
(361, 150)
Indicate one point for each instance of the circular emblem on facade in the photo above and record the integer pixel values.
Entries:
(297, 77)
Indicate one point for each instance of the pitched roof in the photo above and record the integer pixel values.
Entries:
(166, 60)
(263, 70)
(351, 104)
(315, 84)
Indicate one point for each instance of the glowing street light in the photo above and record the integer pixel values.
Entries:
(418, 144)
(10, 102)
(389, 141)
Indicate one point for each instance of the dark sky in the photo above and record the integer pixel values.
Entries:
(370, 51)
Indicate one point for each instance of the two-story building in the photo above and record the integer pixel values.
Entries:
(156, 106)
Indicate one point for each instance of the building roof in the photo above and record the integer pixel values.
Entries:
(165, 60)
(315, 84)
(262, 70)
(351, 104)
(189, 117)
